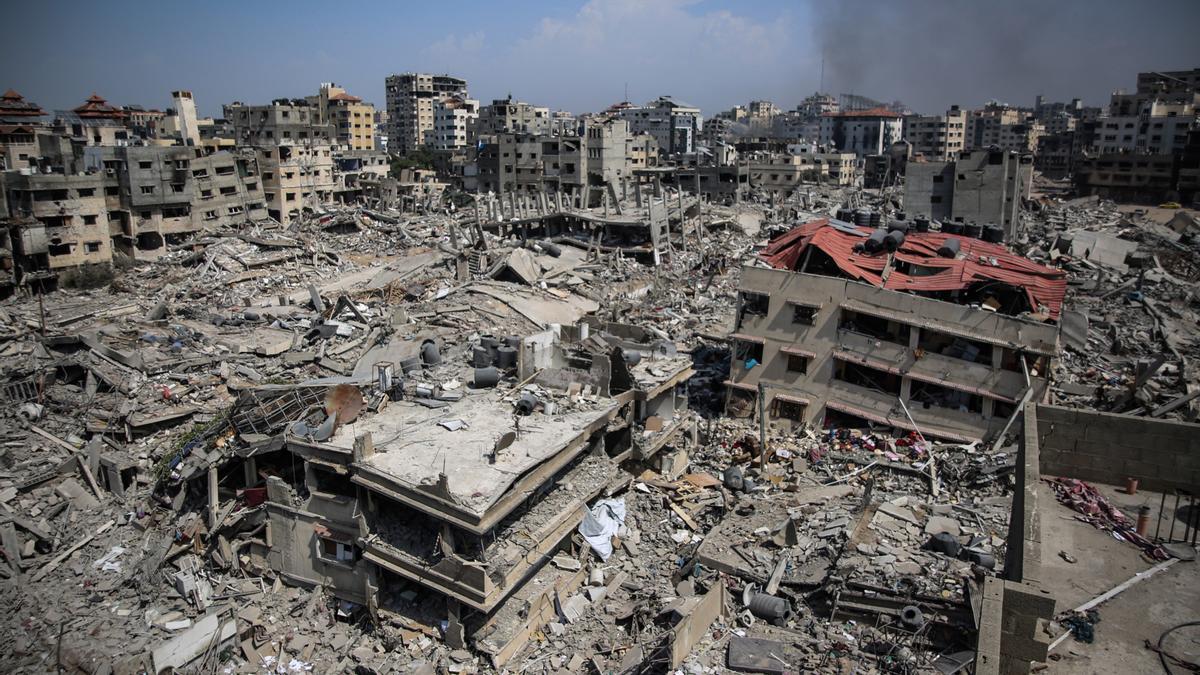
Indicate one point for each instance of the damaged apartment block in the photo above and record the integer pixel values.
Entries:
(940, 334)
(457, 481)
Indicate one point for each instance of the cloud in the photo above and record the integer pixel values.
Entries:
(711, 58)
(453, 48)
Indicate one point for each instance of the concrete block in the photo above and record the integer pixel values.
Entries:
(1028, 599)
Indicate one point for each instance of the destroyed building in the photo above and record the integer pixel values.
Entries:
(984, 187)
(940, 334)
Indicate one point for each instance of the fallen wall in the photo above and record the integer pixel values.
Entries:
(1108, 448)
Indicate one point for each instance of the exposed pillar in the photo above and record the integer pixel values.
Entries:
(250, 471)
(214, 502)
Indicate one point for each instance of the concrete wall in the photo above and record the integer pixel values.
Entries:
(929, 189)
(1108, 448)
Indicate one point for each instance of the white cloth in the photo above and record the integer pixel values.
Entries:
(601, 523)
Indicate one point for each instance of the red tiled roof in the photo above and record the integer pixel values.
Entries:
(96, 106)
(978, 261)
(873, 112)
(343, 96)
(13, 104)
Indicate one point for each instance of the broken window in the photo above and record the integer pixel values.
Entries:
(331, 550)
(145, 165)
(92, 247)
(745, 351)
(929, 394)
(865, 376)
(147, 189)
(874, 326)
(752, 304)
(797, 364)
(89, 220)
(787, 410)
(804, 314)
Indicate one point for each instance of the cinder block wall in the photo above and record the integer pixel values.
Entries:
(1107, 448)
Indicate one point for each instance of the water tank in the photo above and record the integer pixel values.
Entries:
(994, 234)
(876, 219)
(874, 243)
(894, 240)
(481, 357)
(845, 215)
(900, 215)
(949, 248)
(486, 378)
(899, 226)
(921, 224)
(862, 218)
(429, 353)
(973, 230)
(506, 357)
(951, 227)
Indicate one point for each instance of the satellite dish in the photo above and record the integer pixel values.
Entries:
(343, 402)
(503, 442)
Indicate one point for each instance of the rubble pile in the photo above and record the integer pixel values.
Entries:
(144, 454)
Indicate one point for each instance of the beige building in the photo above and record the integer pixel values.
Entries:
(454, 120)
(410, 104)
(506, 116)
(1003, 127)
(783, 173)
(352, 120)
(71, 213)
(294, 152)
(937, 136)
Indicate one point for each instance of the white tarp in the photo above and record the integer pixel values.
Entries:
(599, 525)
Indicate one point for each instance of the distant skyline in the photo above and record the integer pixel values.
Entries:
(581, 56)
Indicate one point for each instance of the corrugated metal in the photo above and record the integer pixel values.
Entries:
(979, 261)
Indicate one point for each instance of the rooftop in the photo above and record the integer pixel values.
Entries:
(977, 263)
(872, 112)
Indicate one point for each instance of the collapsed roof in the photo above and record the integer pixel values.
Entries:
(978, 262)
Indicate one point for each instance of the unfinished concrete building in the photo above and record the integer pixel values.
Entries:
(983, 187)
(72, 219)
(924, 335)
(940, 137)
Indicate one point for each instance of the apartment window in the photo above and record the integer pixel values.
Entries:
(92, 246)
(251, 187)
(268, 175)
(181, 164)
(797, 364)
(210, 215)
(205, 194)
(746, 350)
(331, 550)
(112, 191)
(176, 187)
(86, 192)
(804, 314)
(228, 190)
(935, 199)
(291, 196)
(89, 220)
(147, 189)
(145, 165)
(939, 178)
(145, 215)
(225, 170)
(788, 410)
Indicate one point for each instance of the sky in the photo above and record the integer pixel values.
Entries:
(584, 56)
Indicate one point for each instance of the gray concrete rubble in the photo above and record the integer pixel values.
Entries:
(528, 435)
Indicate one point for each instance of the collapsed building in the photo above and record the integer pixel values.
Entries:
(935, 333)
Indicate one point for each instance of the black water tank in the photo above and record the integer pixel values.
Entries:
(899, 226)
(951, 227)
(949, 248)
(876, 219)
(874, 243)
(993, 234)
(900, 215)
(893, 240)
(862, 218)
(973, 230)
(921, 223)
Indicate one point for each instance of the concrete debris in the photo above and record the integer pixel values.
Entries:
(555, 432)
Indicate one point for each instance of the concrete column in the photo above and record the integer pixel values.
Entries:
(250, 471)
(214, 502)
(905, 388)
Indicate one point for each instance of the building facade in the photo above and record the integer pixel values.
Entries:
(862, 132)
(410, 105)
(982, 187)
(939, 137)
(676, 126)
